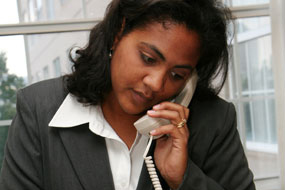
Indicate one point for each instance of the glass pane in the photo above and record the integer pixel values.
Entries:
(260, 121)
(248, 121)
(252, 26)
(96, 8)
(243, 68)
(56, 67)
(261, 147)
(48, 53)
(272, 121)
(259, 116)
(3, 137)
(243, 2)
(15, 11)
(252, 74)
(253, 44)
(47, 10)
(8, 12)
(13, 73)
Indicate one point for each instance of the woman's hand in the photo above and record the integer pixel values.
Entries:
(171, 150)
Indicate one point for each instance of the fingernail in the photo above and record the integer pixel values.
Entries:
(151, 112)
(156, 106)
(152, 132)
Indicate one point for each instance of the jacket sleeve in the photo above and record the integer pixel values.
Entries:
(225, 166)
(22, 166)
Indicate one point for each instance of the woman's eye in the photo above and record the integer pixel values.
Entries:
(176, 76)
(147, 59)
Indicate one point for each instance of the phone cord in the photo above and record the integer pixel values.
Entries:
(151, 167)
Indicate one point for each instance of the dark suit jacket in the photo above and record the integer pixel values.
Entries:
(40, 157)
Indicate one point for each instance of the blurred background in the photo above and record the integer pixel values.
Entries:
(36, 37)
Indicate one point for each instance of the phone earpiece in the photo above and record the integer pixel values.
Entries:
(146, 124)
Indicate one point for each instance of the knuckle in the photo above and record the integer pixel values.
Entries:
(172, 127)
(163, 104)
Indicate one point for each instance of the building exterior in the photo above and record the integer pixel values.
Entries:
(47, 54)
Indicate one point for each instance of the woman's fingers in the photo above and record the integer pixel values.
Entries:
(175, 119)
(181, 110)
(173, 131)
(176, 113)
(173, 116)
(186, 112)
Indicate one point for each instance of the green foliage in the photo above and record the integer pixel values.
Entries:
(9, 84)
(3, 68)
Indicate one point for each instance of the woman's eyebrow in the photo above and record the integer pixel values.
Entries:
(184, 67)
(155, 49)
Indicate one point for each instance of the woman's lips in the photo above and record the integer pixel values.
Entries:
(140, 97)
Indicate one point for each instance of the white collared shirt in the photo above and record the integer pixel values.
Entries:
(125, 164)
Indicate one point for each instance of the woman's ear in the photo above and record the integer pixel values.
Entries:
(119, 35)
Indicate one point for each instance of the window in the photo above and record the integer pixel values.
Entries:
(46, 72)
(50, 10)
(255, 77)
(32, 11)
(251, 87)
(48, 57)
(56, 67)
(8, 12)
(39, 10)
(13, 75)
(38, 77)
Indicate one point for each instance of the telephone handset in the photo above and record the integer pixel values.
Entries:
(145, 124)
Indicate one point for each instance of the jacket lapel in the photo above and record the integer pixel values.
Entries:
(89, 157)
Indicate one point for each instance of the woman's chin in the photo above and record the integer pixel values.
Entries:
(135, 111)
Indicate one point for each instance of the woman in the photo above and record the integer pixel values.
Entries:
(78, 132)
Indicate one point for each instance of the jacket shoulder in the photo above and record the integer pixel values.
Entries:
(213, 106)
(45, 93)
(212, 114)
(46, 85)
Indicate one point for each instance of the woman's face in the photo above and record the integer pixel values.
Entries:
(151, 64)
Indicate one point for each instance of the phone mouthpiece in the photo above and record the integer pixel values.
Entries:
(146, 124)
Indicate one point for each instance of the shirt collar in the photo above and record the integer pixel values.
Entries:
(72, 113)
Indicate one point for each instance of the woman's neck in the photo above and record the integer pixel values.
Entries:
(120, 121)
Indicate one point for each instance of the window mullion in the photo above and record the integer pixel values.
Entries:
(47, 27)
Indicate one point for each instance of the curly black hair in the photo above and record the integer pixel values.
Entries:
(90, 79)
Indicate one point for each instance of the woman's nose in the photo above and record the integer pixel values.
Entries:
(155, 81)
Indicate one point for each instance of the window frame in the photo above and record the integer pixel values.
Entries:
(277, 15)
